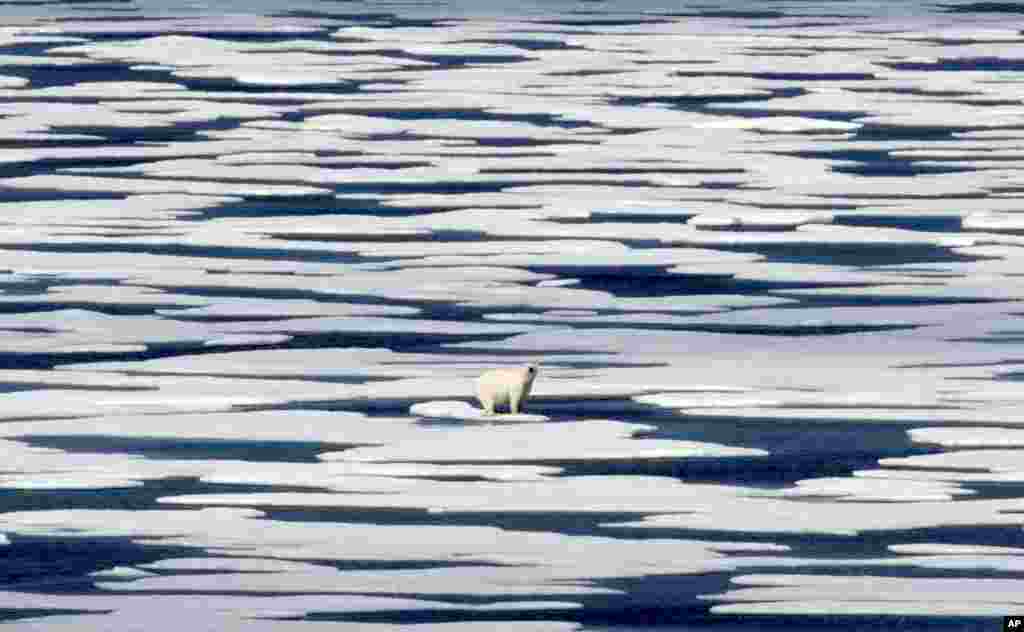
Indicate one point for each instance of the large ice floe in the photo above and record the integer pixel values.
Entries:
(767, 260)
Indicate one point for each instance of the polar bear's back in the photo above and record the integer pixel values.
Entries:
(495, 384)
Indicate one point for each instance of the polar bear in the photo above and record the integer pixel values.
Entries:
(505, 387)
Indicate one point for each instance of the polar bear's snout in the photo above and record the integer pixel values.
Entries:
(509, 387)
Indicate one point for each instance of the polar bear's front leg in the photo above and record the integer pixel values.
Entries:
(515, 398)
(519, 395)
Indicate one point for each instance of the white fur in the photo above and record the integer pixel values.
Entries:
(505, 387)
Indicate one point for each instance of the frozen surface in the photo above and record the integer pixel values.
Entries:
(766, 259)
(852, 595)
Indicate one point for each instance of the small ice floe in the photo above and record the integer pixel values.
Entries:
(947, 115)
(829, 516)
(867, 594)
(240, 340)
(120, 573)
(495, 472)
(83, 184)
(98, 348)
(463, 411)
(993, 223)
(748, 547)
(82, 481)
(781, 124)
(971, 437)
(558, 283)
(128, 523)
(227, 565)
(241, 308)
(939, 548)
(873, 490)
(987, 460)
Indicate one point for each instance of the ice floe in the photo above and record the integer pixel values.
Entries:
(568, 441)
(967, 437)
(867, 594)
(874, 490)
(467, 412)
(724, 513)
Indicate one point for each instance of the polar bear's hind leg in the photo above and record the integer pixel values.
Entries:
(488, 407)
(486, 400)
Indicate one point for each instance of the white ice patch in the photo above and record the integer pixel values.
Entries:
(120, 573)
(991, 222)
(174, 395)
(976, 437)
(100, 296)
(781, 124)
(867, 594)
(239, 340)
(428, 470)
(308, 364)
(835, 517)
(808, 606)
(247, 63)
(66, 329)
(813, 403)
(242, 308)
(566, 441)
(873, 490)
(466, 412)
(991, 460)
(257, 613)
(78, 481)
(13, 82)
(196, 184)
(962, 477)
(140, 210)
(749, 547)
(255, 426)
(630, 308)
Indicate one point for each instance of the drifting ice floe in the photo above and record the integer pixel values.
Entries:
(467, 412)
